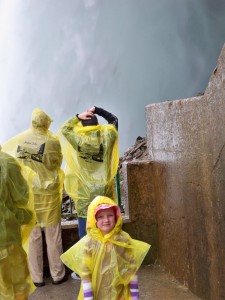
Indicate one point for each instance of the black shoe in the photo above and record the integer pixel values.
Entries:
(39, 284)
(65, 278)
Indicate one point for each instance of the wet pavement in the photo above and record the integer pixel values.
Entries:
(154, 284)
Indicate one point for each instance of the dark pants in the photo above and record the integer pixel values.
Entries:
(82, 227)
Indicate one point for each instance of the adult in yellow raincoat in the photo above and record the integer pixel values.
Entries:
(107, 258)
(17, 219)
(91, 153)
(39, 149)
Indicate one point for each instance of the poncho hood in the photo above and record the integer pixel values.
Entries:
(92, 230)
(40, 119)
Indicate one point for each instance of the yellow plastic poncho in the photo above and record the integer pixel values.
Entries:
(40, 149)
(92, 158)
(17, 220)
(108, 262)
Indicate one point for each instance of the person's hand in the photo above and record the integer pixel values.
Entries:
(86, 115)
(92, 109)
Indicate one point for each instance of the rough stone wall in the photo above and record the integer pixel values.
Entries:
(186, 142)
(142, 208)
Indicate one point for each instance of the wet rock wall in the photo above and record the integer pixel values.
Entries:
(186, 147)
(140, 198)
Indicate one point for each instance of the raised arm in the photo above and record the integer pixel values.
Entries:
(67, 131)
(109, 117)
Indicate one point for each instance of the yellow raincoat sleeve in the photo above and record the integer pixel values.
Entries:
(109, 262)
(67, 133)
(92, 158)
(26, 228)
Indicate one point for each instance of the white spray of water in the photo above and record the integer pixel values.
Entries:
(66, 56)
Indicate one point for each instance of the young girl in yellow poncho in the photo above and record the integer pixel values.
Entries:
(107, 258)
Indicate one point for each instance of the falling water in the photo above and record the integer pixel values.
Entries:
(66, 56)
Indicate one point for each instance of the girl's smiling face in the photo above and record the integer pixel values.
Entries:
(106, 220)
